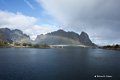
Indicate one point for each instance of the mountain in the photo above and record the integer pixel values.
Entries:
(63, 37)
(53, 38)
(84, 38)
(16, 35)
(5, 35)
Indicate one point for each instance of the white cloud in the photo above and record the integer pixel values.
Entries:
(42, 29)
(28, 3)
(96, 17)
(25, 23)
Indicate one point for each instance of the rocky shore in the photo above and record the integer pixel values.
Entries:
(111, 47)
(23, 45)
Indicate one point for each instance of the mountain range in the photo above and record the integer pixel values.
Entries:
(53, 38)
(15, 35)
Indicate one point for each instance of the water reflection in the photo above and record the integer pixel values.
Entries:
(73, 63)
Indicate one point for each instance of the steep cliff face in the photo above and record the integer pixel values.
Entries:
(5, 35)
(84, 38)
(13, 35)
(62, 37)
(18, 36)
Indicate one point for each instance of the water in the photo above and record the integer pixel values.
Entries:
(58, 64)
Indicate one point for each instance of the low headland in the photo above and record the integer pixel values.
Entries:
(113, 47)
(27, 45)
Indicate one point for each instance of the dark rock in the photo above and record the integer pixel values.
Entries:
(63, 37)
(10, 36)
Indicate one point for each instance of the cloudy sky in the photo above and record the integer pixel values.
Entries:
(99, 18)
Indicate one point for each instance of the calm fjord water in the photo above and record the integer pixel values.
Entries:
(58, 64)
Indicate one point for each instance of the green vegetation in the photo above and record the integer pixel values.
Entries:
(30, 45)
(27, 44)
(33, 46)
(117, 47)
(17, 44)
(23, 44)
(41, 46)
(4, 43)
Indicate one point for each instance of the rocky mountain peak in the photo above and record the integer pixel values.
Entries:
(84, 34)
(60, 30)
(17, 31)
(13, 35)
(82, 38)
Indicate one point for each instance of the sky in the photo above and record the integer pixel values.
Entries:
(99, 18)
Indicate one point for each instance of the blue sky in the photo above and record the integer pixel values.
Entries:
(21, 6)
(99, 18)
(26, 15)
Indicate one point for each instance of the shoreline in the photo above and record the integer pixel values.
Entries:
(23, 47)
(110, 48)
